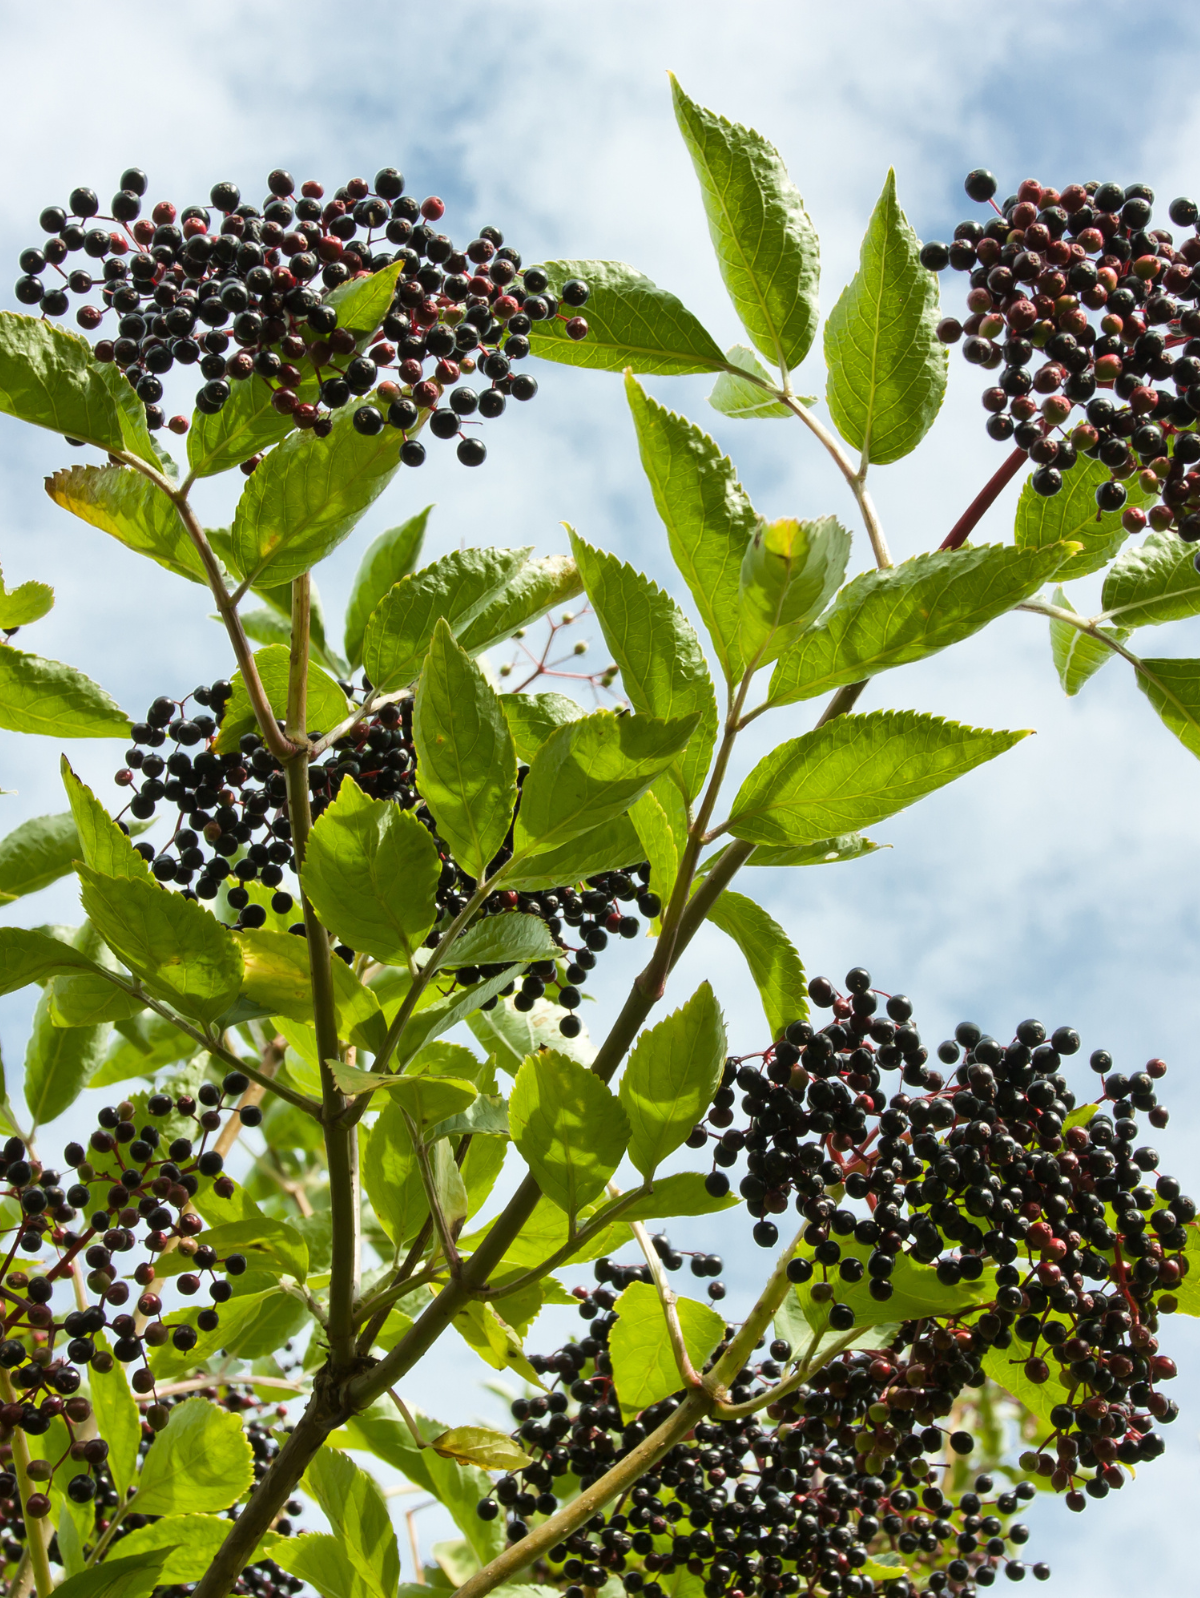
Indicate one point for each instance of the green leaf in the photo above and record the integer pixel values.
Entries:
(134, 1577)
(191, 1543)
(539, 586)
(532, 718)
(27, 956)
(85, 998)
(1151, 583)
(246, 424)
(1007, 1367)
(765, 243)
(253, 1324)
(477, 1445)
(670, 1078)
(59, 1062)
(887, 370)
(774, 963)
(706, 511)
(1076, 654)
(143, 1047)
(643, 1362)
(663, 669)
(825, 852)
(569, 1127)
(133, 510)
(509, 1034)
(612, 846)
(790, 572)
(428, 1100)
(392, 1177)
(269, 1245)
(458, 588)
(590, 771)
(1173, 688)
(308, 495)
(487, 1115)
(26, 603)
(327, 704)
(501, 940)
(363, 302)
(200, 1462)
(393, 555)
(324, 1563)
(742, 401)
(355, 1507)
(494, 1340)
(99, 839)
(35, 854)
(916, 1292)
(431, 1020)
(118, 1421)
(371, 871)
(547, 1231)
(277, 976)
(1188, 1291)
(681, 1194)
(903, 613)
(44, 696)
(660, 843)
(1071, 515)
(468, 767)
(1080, 1116)
(131, 417)
(50, 378)
(176, 946)
(854, 772)
(631, 323)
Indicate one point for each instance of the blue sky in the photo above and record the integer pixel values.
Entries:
(1058, 881)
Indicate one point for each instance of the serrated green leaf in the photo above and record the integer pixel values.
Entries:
(28, 956)
(177, 947)
(883, 619)
(661, 845)
(100, 841)
(568, 1126)
(458, 588)
(308, 495)
(662, 665)
(1076, 654)
(252, 1324)
(465, 755)
(486, 1331)
(245, 425)
(59, 1062)
(363, 302)
(393, 555)
(49, 377)
(790, 572)
(142, 1047)
(1188, 1291)
(428, 1100)
(35, 854)
(631, 323)
(327, 704)
(1152, 582)
(774, 963)
(643, 1361)
(433, 1019)
(509, 1034)
(887, 370)
(916, 1292)
(371, 871)
(118, 1421)
(130, 508)
(539, 586)
(532, 718)
(765, 242)
(134, 1577)
(501, 940)
(1007, 1367)
(609, 847)
(85, 998)
(825, 852)
(201, 1461)
(391, 1175)
(681, 1194)
(269, 1245)
(744, 401)
(355, 1507)
(277, 976)
(191, 1543)
(324, 1563)
(47, 697)
(854, 772)
(487, 1115)
(26, 603)
(547, 1231)
(590, 771)
(1173, 688)
(477, 1445)
(670, 1078)
(1071, 515)
(706, 511)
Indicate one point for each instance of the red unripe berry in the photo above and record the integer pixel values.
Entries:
(1031, 191)
(358, 188)
(143, 230)
(432, 209)
(117, 244)
(163, 213)
(1134, 519)
(312, 190)
(179, 424)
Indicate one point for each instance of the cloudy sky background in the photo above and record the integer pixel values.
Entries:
(1058, 881)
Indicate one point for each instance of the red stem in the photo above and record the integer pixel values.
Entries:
(983, 501)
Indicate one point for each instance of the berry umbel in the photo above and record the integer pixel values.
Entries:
(285, 292)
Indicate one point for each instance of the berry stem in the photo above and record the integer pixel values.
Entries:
(983, 501)
(37, 1528)
(279, 746)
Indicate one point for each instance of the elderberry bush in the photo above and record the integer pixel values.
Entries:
(284, 292)
(1056, 1244)
(1079, 304)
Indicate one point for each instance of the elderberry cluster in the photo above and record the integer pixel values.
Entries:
(232, 822)
(1037, 269)
(262, 291)
(993, 1182)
